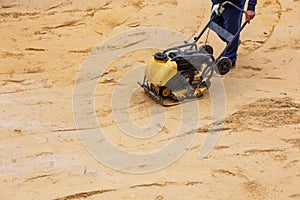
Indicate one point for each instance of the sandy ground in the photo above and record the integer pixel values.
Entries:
(44, 43)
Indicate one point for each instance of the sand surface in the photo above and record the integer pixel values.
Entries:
(43, 45)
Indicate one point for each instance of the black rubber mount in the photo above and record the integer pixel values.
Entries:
(209, 49)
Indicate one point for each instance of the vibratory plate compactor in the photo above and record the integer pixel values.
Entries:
(183, 73)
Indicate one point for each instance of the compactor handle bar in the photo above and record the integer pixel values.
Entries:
(232, 4)
(214, 16)
(194, 43)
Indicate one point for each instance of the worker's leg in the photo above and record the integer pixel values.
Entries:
(232, 22)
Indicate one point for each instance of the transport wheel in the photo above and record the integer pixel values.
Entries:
(223, 65)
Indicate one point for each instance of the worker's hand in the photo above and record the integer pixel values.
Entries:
(216, 9)
(250, 15)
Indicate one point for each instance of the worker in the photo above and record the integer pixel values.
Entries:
(230, 19)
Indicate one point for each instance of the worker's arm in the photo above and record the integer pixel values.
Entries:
(250, 13)
(251, 5)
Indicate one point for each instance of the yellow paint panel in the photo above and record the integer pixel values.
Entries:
(160, 72)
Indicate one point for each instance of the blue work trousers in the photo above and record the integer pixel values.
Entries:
(231, 20)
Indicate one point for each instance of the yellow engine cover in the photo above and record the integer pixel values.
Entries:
(160, 72)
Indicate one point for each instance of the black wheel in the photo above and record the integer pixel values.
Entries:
(223, 65)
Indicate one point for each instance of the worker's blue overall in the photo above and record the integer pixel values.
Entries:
(230, 20)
